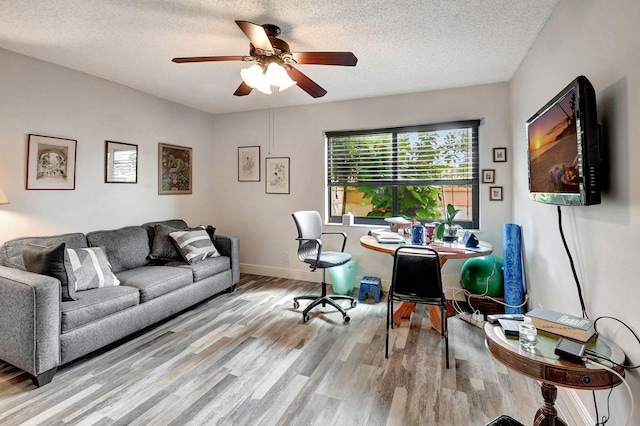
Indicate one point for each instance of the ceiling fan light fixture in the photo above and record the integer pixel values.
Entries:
(255, 78)
(275, 75)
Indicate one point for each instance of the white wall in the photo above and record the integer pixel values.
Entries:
(41, 98)
(263, 221)
(600, 40)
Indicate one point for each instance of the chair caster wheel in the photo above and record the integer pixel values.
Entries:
(347, 318)
(306, 318)
(296, 305)
(354, 304)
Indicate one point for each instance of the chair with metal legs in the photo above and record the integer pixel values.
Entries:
(417, 279)
(309, 224)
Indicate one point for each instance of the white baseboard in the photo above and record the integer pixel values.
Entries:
(293, 274)
(578, 411)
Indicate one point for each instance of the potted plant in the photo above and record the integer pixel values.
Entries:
(447, 231)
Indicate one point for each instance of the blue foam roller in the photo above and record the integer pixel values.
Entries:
(513, 282)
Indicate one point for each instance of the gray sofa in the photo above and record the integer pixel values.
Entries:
(44, 325)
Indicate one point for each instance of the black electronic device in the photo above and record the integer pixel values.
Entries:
(470, 240)
(493, 318)
(564, 148)
(510, 327)
(570, 350)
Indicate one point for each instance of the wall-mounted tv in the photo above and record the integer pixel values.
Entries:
(564, 148)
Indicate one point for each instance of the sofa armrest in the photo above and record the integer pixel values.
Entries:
(29, 321)
(229, 246)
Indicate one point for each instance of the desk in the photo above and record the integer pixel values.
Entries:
(545, 366)
(445, 252)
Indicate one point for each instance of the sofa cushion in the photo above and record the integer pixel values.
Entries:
(11, 252)
(126, 248)
(163, 247)
(194, 244)
(91, 268)
(54, 262)
(205, 268)
(172, 223)
(154, 281)
(92, 305)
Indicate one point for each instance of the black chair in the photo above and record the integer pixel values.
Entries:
(310, 251)
(416, 279)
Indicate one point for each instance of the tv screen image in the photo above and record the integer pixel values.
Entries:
(553, 147)
(564, 148)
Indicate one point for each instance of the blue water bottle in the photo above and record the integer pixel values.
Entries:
(417, 234)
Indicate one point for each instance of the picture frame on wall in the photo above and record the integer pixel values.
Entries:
(120, 162)
(248, 164)
(495, 193)
(488, 176)
(499, 155)
(175, 166)
(277, 175)
(51, 163)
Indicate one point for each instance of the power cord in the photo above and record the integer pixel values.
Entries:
(612, 371)
(467, 293)
(573, 268)
(593, 357)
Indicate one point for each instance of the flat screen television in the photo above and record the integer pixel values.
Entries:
(564, 148)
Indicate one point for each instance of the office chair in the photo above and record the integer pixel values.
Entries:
(416, 278)
(310, 251)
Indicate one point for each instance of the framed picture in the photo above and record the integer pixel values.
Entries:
(499, 155)
(495, 193)
(488, 176)
(120, 162)
(248, 164)
(51, 163)
(174, 169)
(277, 175)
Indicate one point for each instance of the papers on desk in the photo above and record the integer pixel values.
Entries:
(389, 238)
(457, 248)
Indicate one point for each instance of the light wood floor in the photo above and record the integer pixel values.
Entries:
(247, 358)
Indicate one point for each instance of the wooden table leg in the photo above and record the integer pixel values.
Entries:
(547, 415)
(403, 313)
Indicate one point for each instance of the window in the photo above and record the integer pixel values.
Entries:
(405, 171)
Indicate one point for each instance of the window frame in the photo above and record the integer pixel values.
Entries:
(394, 183)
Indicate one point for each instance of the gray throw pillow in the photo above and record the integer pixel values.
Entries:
(91, 268)
(53, 262)
(162, 246)
(194, 244)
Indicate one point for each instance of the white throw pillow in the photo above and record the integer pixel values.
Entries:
(91, 268)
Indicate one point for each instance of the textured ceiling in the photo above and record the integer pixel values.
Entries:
(402, 46)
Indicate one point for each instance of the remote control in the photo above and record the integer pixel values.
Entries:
(493, 318)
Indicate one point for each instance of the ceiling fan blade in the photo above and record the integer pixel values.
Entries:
(256, 34)
(305, 83)
(326, 58)
(208, 59)
(243, 90)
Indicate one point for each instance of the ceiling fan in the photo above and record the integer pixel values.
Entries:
(266, 49)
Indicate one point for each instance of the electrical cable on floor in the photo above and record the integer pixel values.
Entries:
(612, 371)
(466, 294)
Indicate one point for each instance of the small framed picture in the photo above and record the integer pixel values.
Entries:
(488, 176)
(174, 169)
(248, 164)
(120, 162)
(51, 162)
(499, 155)
(277, 175)
(495, 193)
